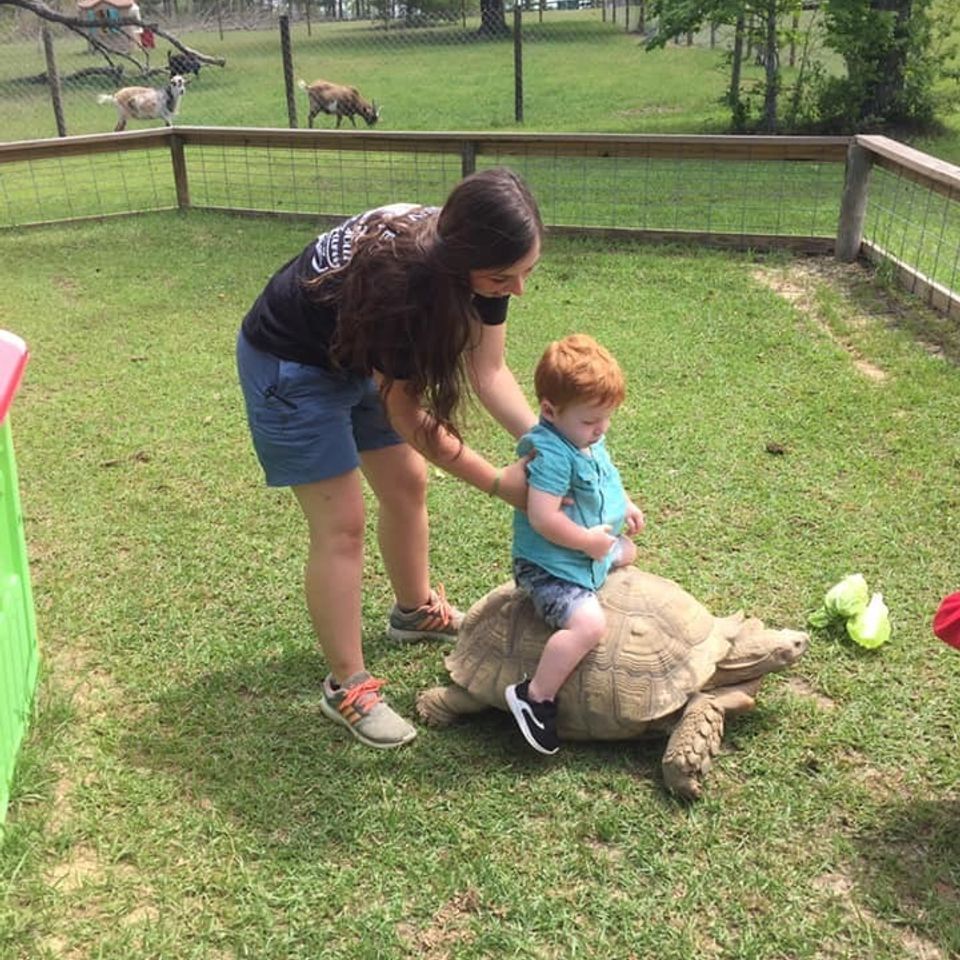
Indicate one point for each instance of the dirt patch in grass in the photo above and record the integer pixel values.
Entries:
(802, 688)
(448, 929)
(840, 887)
(798, 283)
(650, 110)
(864, 298)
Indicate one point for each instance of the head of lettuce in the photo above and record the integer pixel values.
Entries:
(866, 617)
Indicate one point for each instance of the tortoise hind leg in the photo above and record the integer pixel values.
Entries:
(696, 739)
(442, 706)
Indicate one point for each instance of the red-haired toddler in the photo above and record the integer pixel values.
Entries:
(577, 524)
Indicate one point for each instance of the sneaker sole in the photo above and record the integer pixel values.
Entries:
(332, 713)
(513, 702)
(406, 636)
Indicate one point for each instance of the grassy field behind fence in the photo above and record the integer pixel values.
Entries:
(430, 84)
(182, 796)
(580, 75)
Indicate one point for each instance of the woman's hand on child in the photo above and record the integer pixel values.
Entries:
(513, 483)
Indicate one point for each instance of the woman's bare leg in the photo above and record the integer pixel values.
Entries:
(335, 517)
(398, 476)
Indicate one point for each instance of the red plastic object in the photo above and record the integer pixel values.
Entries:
(946, 623)
(13, 358)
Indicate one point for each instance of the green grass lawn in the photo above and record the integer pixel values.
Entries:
(180, 794)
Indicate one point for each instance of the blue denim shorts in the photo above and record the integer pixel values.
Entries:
(308, 423)
(553, 599)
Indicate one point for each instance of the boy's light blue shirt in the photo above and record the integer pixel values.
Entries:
(594, 484)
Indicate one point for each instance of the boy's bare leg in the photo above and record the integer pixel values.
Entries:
(566, 648)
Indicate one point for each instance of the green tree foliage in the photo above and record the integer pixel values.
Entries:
(895, 54)
(679, 17)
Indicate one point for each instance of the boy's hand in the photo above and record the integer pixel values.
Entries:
(635, 521)
(599, 541)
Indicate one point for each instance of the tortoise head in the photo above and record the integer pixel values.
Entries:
(756, 651)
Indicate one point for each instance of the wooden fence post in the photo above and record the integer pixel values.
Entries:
(853, 205)
(468, 157)
(53, 80)
(179, 163)
(287, 54)
(517, 63)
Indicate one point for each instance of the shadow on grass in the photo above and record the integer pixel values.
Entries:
(873, 292)
(910, 868)
(252, 741)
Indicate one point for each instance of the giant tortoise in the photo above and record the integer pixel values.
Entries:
(665, 665)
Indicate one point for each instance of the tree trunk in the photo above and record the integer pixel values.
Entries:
(883, 93)
(798, 86)
(493, 23)
(736, 61)
(772, 58)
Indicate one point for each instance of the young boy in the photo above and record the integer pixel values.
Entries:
(577, 525)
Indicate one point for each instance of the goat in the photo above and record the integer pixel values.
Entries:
(146, 103)
(339, 101)
(182, 63)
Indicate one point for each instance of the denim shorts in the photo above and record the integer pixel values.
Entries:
(308, 423)
(553, 599)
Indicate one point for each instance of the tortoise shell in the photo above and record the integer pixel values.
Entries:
(661, 646)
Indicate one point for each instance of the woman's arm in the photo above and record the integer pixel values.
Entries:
(494, 384)
(440, 447)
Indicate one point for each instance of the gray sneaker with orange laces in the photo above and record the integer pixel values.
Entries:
(435, 620)
(357, 705)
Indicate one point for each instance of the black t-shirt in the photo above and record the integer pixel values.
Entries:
(284, 320)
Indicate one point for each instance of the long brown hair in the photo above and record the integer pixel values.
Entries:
(406, 290)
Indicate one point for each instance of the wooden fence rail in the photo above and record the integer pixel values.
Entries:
(857, 157)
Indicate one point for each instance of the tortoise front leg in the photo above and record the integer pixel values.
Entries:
(442, 706)
(692, 746)
(696, 739)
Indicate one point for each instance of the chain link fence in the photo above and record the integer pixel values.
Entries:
(443, 64)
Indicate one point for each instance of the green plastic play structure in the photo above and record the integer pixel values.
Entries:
(19, 656)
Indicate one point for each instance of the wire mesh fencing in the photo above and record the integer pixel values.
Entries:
(911, 224)
(916, 224)
(869, 196)
(741, 191)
